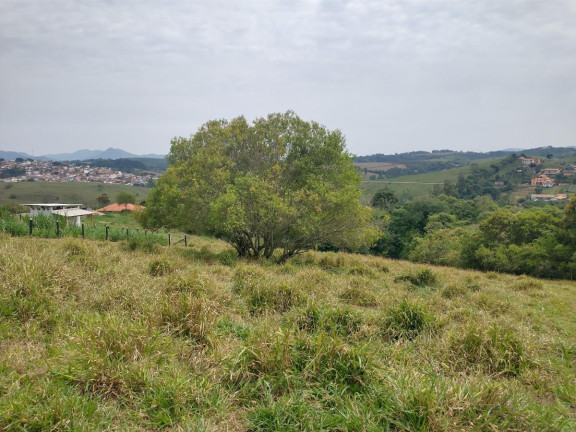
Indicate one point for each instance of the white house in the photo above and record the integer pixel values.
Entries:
(72, 212)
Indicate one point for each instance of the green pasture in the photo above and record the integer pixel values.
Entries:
(47, 192)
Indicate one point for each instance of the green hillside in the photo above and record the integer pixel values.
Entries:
(111, 336)
(45, 192)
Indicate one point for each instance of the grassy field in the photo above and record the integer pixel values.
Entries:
(45, 192)
(102, 336)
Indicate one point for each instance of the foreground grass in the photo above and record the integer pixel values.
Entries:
(97, 336)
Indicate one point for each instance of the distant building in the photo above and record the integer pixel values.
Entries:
(542, 180)
(72, 212)
(530, 161)
(570, 170)
(552, 171)
(121, 207)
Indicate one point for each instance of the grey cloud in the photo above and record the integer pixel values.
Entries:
(393, 75)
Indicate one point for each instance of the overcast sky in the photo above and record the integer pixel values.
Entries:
(393, 76)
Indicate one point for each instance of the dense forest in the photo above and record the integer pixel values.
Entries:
(477, 234)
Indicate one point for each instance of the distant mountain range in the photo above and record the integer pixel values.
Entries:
(80, 155)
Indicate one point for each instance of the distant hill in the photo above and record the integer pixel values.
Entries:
(109, 153)
(11, 155)
(420, 162)
(80, 155)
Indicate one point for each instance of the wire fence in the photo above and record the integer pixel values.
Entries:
(56, 227)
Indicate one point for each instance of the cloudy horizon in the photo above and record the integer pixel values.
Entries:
(393, 76)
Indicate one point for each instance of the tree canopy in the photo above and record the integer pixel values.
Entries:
(278, 183)
(125, 198)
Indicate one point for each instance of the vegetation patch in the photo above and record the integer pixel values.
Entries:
(406, 321)
(334, 321)
(160, 268)
(188, 316)
(421, 277)
(359, 296)
(144, 244)
(527, 284)
(495, 350)
(288, 361)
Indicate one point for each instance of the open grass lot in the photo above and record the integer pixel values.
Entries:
(378, 166)
(406, 190)
(46, 192)
(104, 336)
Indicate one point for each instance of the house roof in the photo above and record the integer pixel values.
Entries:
(121, 207)
(52, 205)
(73, 212)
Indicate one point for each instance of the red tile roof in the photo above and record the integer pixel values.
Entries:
(121, 207)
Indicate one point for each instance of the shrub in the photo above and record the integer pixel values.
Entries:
(406, 321)
(421, 277)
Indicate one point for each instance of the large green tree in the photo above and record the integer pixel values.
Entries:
(278, 183)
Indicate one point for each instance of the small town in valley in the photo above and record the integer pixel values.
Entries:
(13, 171)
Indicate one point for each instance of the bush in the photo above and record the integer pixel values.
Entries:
(406, 321)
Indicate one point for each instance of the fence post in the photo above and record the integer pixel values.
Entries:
(144, 232)
(83, 230)
(57, 228)
(185, 240)
(31, 224)
(106, 232)
(127, 233)
(169, 240)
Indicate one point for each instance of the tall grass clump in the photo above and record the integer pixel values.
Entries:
(406, 321)
(140, 243)
(288, 362)
(111, 356)
(494, 350)
(188, 316)
(421, 277)
(160, 267)
(359, 296)
(334, 321)
(266, 295)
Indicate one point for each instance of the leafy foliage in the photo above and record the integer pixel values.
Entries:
(278, 183)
